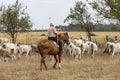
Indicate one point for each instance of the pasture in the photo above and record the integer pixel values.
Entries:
(101, 67)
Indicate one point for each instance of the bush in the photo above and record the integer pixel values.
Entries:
(92, 34)
(43, 34)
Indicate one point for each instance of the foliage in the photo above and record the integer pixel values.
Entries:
(14, 19)
(108, 9)
(81, 17)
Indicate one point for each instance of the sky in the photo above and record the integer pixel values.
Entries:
(44, 12)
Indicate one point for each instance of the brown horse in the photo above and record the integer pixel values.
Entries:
(47, 47)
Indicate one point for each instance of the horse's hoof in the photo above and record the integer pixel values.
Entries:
(59, 67)
(54, 67)
(40, 69)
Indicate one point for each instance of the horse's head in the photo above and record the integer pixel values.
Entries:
(64, 37)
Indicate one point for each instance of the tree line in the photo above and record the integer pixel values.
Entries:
(99, 27)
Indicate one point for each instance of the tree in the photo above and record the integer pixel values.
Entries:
(108, 9)
(81, 17)
(14, 20)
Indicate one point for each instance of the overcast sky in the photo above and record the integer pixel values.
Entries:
(43, 12)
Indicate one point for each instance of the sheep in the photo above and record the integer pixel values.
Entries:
(90, 47)
(84, 47)
(93, 48)
(106, 51)
(66, 49)
(77, 53)
(77, 42)
(11, 46)
(34, 47)
(4, 40)
(112, 48)
(111, 38)
(24, 48)
(7, 52)
(84, 38)
(74, 51)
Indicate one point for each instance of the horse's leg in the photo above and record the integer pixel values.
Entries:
(56, 60)
(59, 56)
(44, 62)
(41, 63)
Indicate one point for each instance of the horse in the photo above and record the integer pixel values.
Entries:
(47, 47)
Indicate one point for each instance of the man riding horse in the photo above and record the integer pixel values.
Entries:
(52, 35)
(48, 47)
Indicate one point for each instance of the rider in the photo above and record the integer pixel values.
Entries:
(52, 33)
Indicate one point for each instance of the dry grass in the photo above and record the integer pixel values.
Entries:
(102, 67)
(34, 37)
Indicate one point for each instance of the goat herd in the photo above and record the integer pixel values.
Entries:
(12, 50)
(75, 49)
(78, 47)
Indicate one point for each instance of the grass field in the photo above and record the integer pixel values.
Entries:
(101, 67)
(34, 37)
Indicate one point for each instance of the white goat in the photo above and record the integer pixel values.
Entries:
(93, 48)
(4, 40)
(113, 48)
(74, 51)
(90, 47)
(11, 46)
(77, 42)
(7, 52)
(24, 48)
(77, 53)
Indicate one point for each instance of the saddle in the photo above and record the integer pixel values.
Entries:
(55, 44)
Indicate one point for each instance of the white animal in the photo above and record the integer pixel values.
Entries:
(11, 46)
(34, 47)
(77, 42)
(113, 48)
(106, 51)
(90, 47)
(74, 51)
(93, 48)
(85, 47)
(4, 40)
(7, 52)
(77, 53)
(84, 38)
(24, 48)
(66, 49)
